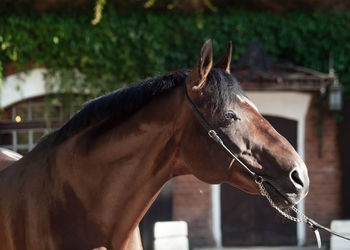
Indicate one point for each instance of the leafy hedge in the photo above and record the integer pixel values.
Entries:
(127, 47)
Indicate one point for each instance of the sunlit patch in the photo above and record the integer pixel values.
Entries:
(11, 154)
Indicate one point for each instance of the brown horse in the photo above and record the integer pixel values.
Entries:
(88, 184)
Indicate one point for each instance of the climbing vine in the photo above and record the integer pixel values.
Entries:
(128, 46)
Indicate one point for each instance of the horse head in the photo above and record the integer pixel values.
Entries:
(221, 102)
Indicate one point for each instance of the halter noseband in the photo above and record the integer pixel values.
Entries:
(259, 179)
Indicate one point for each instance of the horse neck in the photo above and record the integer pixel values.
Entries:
(118, 178)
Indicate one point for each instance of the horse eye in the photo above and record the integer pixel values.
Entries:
(231, 116)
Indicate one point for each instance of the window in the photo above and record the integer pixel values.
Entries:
(23, 124)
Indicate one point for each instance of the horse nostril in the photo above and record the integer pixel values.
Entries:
(296, 178)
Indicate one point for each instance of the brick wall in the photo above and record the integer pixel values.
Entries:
(323, 202)
(344, 139)
(192, 203)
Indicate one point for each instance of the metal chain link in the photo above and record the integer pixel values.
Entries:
(288, 216)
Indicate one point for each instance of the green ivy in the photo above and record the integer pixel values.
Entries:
(127, 47)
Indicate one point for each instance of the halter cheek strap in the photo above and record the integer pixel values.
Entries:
(212, 134)
(259, 179)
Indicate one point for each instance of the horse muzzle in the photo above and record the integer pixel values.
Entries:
(289, 189)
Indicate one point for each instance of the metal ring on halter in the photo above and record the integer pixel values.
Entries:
(259, 180)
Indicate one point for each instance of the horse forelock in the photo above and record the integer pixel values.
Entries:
(223, 88)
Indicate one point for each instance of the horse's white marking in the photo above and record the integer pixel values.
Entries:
(244, 99)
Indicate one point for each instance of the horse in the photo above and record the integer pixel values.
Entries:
(88, 184)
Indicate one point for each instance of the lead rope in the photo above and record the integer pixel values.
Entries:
(263, 192)
(303, 217)
(259, 181)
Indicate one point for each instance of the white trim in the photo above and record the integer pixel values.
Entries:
(22, 86)
(216, 214)
(301, 227)
(30, 84)
(290, 105)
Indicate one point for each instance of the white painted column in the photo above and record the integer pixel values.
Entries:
(216, 214)
(301, 227)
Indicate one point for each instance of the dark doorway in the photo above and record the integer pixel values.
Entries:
(248, 220)
(161, 210)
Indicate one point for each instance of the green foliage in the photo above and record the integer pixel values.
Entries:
(127, 47)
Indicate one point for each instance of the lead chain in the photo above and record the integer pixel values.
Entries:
(288, 216)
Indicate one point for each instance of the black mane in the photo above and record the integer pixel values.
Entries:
(117, 106)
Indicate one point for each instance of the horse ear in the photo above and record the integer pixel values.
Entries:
(225, 61)
(201, 69)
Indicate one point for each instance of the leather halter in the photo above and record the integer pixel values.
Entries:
(259, 179)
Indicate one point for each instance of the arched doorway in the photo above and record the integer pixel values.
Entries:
(248, 220)
(29, 110)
